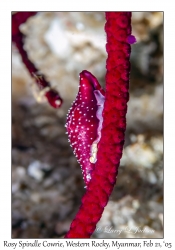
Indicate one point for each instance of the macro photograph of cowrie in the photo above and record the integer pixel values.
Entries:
(87, 125)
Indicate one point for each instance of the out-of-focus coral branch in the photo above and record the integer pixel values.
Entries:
(118, 30)
(52, 95)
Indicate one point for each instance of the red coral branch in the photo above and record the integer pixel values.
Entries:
(118, 29)
(18, 38)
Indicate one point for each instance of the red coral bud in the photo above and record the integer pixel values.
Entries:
(121, 123)
(114, 59)
(119, 148)
(121, 35)
(124, 85)
(112, 178)
(113, 45)
(110, 25)
(125, 75)
(94, 206)
(103, 199)
(113, 76)
(123, 21)
(90, 228)
(86, 217)
(121, 104)
(115, 158)
(122, 65)
(127, 49)
(112, 116)
(118, 136)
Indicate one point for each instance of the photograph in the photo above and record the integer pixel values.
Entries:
(87, 125)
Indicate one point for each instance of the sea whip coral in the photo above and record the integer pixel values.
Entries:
(18, 38)
(110, 146)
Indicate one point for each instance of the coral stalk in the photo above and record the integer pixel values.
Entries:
(18, 38)
(103, 179)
